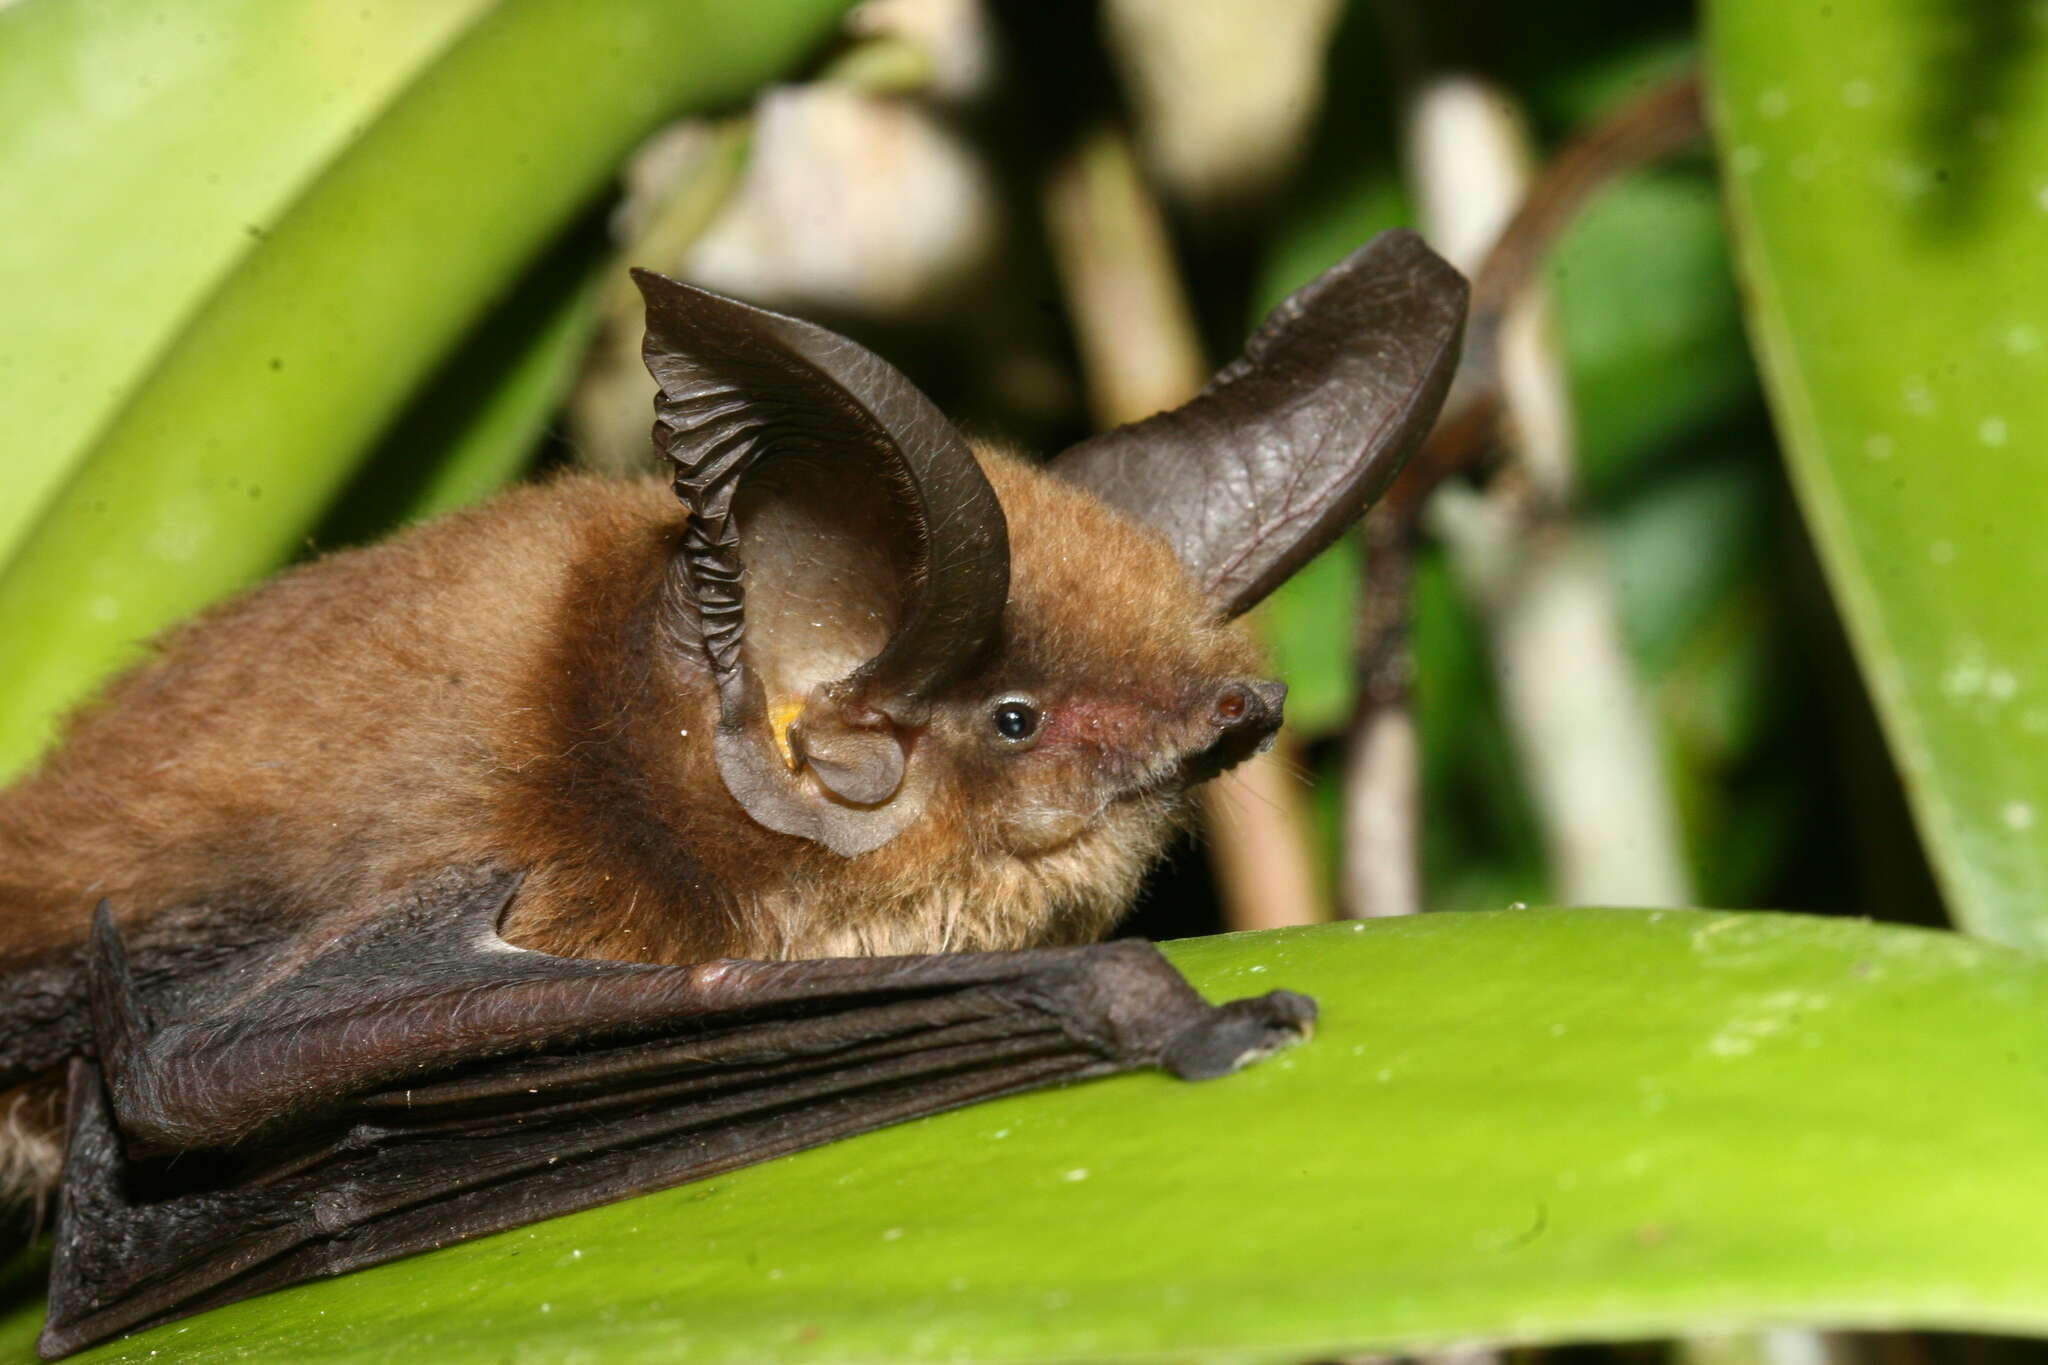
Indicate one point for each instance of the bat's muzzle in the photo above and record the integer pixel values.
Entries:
(1245, 716)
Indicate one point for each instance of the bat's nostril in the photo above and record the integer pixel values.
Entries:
(1247, 705)
(1244, 715)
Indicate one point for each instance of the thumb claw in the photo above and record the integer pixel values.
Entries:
(1240, 1033)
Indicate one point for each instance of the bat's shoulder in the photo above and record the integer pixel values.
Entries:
(279, 739)
(529, 529)
(462, 579)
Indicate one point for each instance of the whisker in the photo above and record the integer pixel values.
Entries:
(1298, 768)
(1229, 792)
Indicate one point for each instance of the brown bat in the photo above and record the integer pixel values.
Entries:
(583, 844)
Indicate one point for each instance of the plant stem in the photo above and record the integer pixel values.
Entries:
(1582, 730)
(1382, 856)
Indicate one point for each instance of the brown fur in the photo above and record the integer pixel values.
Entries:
(506, 685)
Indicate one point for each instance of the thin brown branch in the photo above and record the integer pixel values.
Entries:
(1663, 120)
(1382, 784)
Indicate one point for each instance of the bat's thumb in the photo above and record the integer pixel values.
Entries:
(1239, 1033)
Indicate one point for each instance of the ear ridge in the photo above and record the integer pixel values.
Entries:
(1290, 442)
(740, 386)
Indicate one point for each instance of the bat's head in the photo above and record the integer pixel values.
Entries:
(1065, 756)
(983, 664)
(1114, 685)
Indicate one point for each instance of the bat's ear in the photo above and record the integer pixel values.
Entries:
(1293, 440)
(845, 557)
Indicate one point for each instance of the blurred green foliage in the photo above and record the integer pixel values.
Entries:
(1886, 171)
(1678, 466)
(255, 389)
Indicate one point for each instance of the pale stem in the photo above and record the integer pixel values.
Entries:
(1382, 874)
(1583, 733)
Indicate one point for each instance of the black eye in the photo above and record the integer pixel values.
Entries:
(1015, 720)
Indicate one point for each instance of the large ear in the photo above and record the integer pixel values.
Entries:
(1293, 440)
(845, 557)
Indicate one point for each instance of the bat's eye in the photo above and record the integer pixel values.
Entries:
(1015, 719)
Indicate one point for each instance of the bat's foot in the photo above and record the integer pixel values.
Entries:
(1240, 1033)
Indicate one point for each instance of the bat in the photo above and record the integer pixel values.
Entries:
(619, 832)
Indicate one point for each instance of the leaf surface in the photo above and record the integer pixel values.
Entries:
(1887, 165)
(140, 162)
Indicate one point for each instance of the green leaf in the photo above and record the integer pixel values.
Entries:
(1885, 163)
(1533, 1125)
(478, 423)
(140, 162)
(219, 464)
(495, 440)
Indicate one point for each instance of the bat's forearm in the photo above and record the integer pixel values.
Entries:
(633, 1079)
(302, 1050)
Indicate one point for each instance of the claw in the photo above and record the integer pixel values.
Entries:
(1240, 1033)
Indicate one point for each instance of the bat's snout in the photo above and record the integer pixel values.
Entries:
(1244, 716)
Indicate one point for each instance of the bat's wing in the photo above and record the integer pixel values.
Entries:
(416, 1081)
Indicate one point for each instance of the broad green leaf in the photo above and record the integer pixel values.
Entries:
(496, 440)
(222, 461)
(477, 425)
(1522, 1125)
(139, 162)
(1887, 163)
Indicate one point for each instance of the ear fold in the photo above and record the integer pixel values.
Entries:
(863, 766)
(1294, 439)
(830, 558)
(845, 557)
